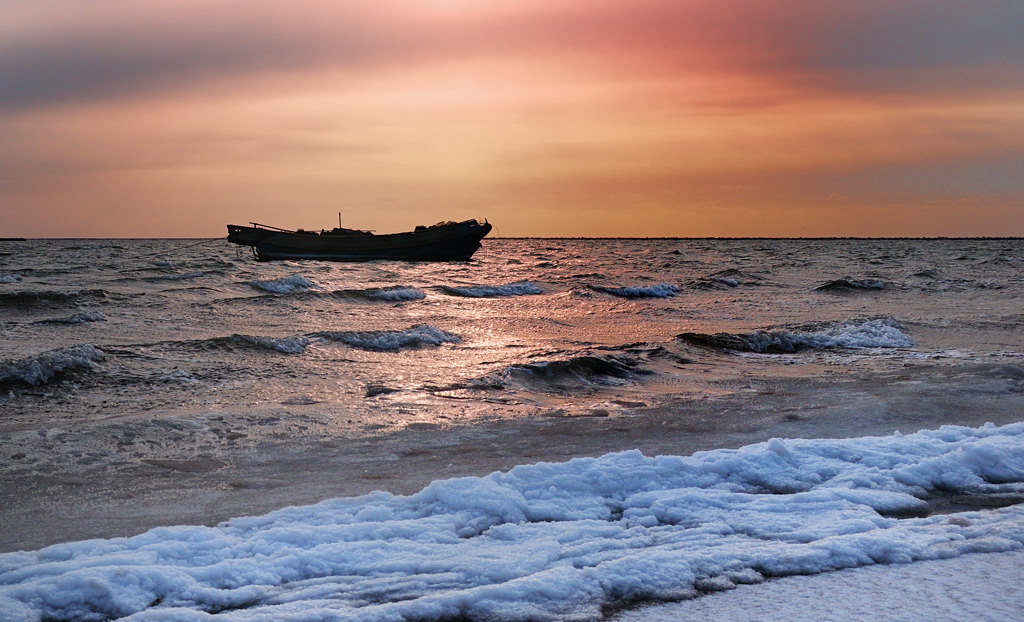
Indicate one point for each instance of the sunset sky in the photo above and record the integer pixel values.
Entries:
(172, 118)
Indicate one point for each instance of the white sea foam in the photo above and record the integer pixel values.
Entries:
(287, 345)
(519, 288)
(661, 290)
(549, 541)
(879, 332)
(392, 340)
(396, 294)
(285, 285)
(45, 366)
(10, 278)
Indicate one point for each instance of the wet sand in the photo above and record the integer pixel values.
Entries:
(87, 480)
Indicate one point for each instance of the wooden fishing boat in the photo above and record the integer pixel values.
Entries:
(445, 241)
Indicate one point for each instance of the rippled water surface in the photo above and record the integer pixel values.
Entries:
(106, 329)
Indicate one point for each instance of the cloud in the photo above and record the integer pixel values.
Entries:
(931, 47)
(107, 50)
(61, 51)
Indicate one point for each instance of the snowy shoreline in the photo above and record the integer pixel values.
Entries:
(558, 541)
(981, 588)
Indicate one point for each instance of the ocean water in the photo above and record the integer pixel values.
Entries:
(154, 383)
(112, 329)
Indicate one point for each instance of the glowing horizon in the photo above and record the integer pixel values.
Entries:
(600, 118)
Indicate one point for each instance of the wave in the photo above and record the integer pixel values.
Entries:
(398, 293)
(51, 297)
(286, 345)
(284, 285)
(851, 284)
(880, 332)
(519, 288)
(78, 318)
(729, 278)
(933, 274)
(10, 278)
(661, 290)
(176, 277)
(379, 340)
(391, 340)
(46, 366)
(573, 373)
(938, 281)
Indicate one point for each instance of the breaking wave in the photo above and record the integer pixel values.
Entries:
(375, 340)
(285, 285)
(46, 366)
(573, 373)
(398, 293)
(661, 290)
(933, 274)
(519, 288)
(728, 278)
(78, 318)
(10, 278)
(286, 345)
(391, 340)
(881, 332)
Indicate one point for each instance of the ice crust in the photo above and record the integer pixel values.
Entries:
(549, 541)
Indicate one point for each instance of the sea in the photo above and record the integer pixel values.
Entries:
(128, 360)
(116, 329)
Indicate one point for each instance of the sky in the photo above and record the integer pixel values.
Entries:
(172, 118)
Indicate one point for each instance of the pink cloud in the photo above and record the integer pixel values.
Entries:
(60, 51)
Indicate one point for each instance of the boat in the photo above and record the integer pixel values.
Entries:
(445, 241)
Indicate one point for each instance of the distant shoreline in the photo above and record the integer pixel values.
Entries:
(726, 238)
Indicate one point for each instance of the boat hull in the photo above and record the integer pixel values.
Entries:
(446, 242)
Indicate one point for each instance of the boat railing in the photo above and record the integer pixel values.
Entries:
(256, 224)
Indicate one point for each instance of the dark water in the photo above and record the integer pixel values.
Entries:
(112, 329)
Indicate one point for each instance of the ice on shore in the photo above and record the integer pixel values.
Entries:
(551, 541)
